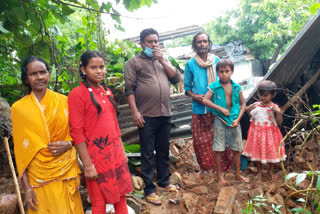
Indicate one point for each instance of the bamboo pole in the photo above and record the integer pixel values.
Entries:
(6, 143)
(300, 92)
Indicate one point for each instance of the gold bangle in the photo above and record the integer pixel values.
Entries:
(70, 143)
(29, 190)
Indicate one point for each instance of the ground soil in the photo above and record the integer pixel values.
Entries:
(200, 190)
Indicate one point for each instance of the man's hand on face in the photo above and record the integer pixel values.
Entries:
(157, 53)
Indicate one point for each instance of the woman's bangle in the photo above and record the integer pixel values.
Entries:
(70, 143)
(29, 190)
(90, 168)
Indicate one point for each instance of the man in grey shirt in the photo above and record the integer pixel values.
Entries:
(147, 78)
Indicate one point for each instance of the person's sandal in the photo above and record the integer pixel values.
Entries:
(154, 200)
(174, 187)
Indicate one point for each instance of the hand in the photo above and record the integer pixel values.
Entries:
(138, 119)
(197, 97)
(225, 112)
(31, 199)
(235, 123)
(59, 147)
(276, 109)
(251, 107)
(90, 174)
(126, 158)
(158, 54)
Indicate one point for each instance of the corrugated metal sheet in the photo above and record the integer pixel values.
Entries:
(180, 120)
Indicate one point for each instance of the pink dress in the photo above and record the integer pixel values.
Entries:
(264, 136)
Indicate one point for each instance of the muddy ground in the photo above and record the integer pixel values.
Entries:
(200, 190)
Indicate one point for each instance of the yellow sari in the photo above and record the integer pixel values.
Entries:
(55, 179)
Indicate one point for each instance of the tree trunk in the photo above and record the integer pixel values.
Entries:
(276, 53)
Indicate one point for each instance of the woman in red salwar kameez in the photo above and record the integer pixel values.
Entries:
(95, 130)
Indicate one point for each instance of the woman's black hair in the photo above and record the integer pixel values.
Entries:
(84, 61)
(194, 46)
(267, 86)
(24, 70)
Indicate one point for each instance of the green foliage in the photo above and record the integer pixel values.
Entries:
(311, 194)
(59, 31)
(255, 206)
(265, 26)
(133, 148)
(175, 63)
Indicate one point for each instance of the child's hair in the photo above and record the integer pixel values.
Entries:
(24, 70)
(224, 63)
(84, 61)
(267, 86)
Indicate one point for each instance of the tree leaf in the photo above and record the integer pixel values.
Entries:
(66, 10)
(107, 6)
(301, 200)
(290, 175)
(314, 8)
(298, 210)
(300, 178)
(318, 183)
(2, 29)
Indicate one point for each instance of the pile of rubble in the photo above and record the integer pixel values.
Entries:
(200, 192)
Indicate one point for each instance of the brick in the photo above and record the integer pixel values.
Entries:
(225, 200)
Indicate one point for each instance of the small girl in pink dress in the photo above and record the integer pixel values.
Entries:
(264, 136)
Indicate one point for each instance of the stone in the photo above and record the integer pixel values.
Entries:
(3, 180)
(175, 150)
(5, 114)
(282, 192)
(255, 192)
(134, 205)
(191, 179)
(180, 143)
(272, 188)
(237, 208)
(200, 190)
(225, 200)
(175, 178)
(276, 199)
(298, 147)
(172, 158)
(291, 203)
(137, 182)
(8, 203)
(189, 201)
(309, 156)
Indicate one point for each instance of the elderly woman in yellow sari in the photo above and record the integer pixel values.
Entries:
(45, 157)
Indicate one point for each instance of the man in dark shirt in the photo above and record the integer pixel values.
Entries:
(147, 78)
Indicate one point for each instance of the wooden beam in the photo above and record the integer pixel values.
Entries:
(293, 99)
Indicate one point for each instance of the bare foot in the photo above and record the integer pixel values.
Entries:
(242, 178)
(259, 176)
(273, 176)
(222, 182)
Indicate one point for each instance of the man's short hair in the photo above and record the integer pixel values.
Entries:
(146, 32)
(194, 47)
(224, 63)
